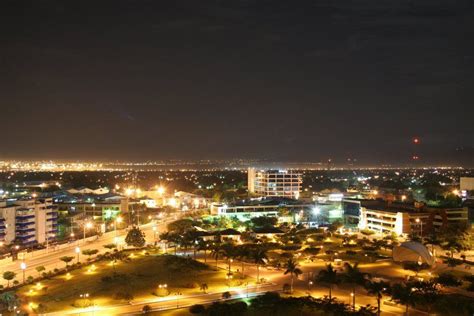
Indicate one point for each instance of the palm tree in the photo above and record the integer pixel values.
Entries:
(203, 287)
(293, 270)
(116, 256)
(404, 294)
(9, 275)
(215, 252)
(229, 251)
(329, 277)
(10, 299)
(203, 246)
(40, 269)
(354, 276)
(242, 254)
(377, 289)
(66, 260)
(259, 257)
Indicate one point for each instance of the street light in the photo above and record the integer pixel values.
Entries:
(161, 190)
(154, 232)
(118, 219)
(353, 301)
(78, 251)
(87, 225)
(23, 268)
(177, 298)
(418, 221)
(163, 289)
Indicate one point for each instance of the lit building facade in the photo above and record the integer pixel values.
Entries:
(28, 222)
(274, 183)
(407, 219)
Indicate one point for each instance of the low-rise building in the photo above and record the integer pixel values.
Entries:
(404, 218)
(247, 209)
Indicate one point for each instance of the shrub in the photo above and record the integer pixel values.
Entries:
(312, 250)
(82, 303)
(123, 296)
(469, 278)
(448, 279)
(146, 309)
(291, 247)
(470, 288)
(190, 285)
(41, 309)
(367, 232)
(197, 309)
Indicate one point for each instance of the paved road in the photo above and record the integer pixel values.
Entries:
(51, 259)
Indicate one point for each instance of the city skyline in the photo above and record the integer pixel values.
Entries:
(266, 80)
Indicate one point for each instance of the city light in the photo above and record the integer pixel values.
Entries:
(316, 210)
(161, 190)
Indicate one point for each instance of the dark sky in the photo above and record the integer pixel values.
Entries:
(282, 80)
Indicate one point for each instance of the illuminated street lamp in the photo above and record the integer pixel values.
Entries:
(418, 221)
(78, 251)
(47, 240)
(161, 190)
(87, 225)
(229, 277)
(118, 219)
(178, 294)
(155, 231)
(23, 268)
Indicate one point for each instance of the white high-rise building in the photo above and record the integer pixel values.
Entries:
(278, 183)
(28, 222)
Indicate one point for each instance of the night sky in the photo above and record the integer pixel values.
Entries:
(277, 80)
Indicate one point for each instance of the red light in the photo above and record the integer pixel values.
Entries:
(416, 140)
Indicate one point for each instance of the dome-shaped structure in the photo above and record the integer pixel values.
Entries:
(412, 252)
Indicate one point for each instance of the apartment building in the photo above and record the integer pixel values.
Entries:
(28, 221)
(276, 183)
(401, 218)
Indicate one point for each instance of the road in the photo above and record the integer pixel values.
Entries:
(51, 259)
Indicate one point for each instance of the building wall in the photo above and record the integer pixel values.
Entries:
(467, 183)
(251, 180)
(278, 183)
(406, 222)
(28, 221)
